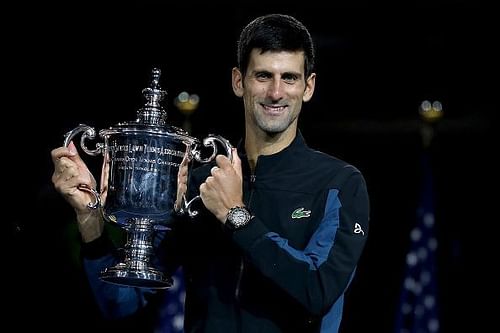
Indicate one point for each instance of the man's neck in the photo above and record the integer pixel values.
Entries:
(260, 143)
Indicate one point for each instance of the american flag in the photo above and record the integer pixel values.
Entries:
(171, 314)
(418, 310)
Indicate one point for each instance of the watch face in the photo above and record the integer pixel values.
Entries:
(238, 216)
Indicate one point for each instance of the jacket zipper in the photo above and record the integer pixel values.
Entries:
(242, 260)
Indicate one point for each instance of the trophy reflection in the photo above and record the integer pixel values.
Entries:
(141, 161)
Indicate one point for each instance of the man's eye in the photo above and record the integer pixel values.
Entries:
(290, 78)
(263, 75)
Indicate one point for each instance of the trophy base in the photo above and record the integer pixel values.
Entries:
(145, 278)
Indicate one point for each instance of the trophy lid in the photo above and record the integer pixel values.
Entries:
(152, 113)
(152, 116)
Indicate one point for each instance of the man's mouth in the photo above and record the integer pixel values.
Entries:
(274, 109)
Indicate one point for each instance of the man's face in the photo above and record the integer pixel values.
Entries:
(274, 89)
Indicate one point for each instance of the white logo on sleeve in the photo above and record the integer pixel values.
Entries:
(358, 230)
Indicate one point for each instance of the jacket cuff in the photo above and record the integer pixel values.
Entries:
(247, 236)
(97, 248)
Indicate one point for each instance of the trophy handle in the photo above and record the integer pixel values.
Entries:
(92, 205)
(186, 206)
(88, 133)
(210, 142)
(207, 142)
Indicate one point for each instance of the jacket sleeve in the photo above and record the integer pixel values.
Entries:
(320, 273)
(114, 301)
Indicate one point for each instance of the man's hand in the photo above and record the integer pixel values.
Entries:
(223, 190)
(69, 173)
(182, 178)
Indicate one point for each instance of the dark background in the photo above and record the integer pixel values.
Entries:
(87, 63)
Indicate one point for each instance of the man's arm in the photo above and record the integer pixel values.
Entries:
(318, 275)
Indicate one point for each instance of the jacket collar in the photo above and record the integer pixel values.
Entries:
(274, 162)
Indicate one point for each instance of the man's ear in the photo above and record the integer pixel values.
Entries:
(310, 84)
(237, 82)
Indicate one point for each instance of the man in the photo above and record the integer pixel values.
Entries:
(283, 226)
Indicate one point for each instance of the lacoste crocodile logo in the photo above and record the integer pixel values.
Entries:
(300, 213)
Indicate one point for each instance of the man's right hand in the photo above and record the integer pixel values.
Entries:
(69, 172)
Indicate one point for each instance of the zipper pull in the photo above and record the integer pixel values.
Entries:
(252, 178)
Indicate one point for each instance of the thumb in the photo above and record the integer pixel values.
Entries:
(75, 157)
(236, 162)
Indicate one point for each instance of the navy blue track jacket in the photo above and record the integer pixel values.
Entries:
(286, 271)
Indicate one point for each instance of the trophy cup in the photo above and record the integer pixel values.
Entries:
(139, 176)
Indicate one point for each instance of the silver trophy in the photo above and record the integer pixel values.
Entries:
(139, 176)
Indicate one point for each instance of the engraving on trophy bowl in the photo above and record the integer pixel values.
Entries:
(142, 180)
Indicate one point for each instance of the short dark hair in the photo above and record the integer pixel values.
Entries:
(275, 32)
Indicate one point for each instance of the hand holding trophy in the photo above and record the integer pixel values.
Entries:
(143, 177)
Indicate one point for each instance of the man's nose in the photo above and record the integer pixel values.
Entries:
(275, 90)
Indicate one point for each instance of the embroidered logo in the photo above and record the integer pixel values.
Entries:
(358, 230)
(300, 213)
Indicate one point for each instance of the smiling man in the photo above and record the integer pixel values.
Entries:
(283, 226)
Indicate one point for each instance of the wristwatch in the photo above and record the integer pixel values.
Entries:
(238, 217)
